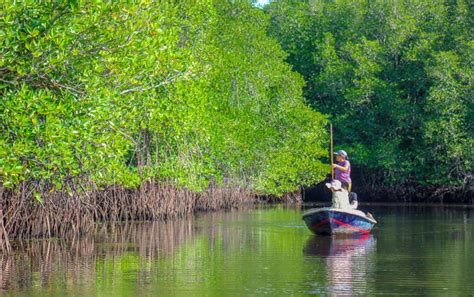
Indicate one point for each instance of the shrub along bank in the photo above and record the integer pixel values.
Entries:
(138, 111)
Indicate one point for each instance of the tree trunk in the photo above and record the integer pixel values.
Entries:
(4, 242)
(143, 152)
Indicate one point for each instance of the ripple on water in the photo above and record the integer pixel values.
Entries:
(266, 252)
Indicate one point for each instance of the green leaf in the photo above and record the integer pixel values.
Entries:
(38, 197)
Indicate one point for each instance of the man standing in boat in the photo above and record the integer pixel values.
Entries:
(342, 169)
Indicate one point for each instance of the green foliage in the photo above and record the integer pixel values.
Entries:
(119, 93)
(395, 77)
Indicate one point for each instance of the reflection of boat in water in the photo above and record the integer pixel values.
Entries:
(348, 263)
(327, 221)
(333, 246)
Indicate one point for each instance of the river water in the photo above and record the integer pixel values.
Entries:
(414, 250)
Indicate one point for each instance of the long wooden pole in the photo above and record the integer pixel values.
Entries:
(332, 152)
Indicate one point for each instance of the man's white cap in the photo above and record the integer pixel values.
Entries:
(335, 184)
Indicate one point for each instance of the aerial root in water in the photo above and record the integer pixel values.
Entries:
(73, 212)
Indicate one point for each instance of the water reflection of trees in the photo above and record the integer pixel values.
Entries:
(347, 260)
(46, 262)
(141, 245)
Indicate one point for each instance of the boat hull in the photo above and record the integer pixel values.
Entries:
(328, 221)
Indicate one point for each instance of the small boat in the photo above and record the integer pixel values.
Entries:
(328, 221)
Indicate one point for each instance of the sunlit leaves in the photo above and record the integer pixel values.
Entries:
(121, 93)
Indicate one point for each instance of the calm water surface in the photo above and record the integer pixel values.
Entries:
(413, 251)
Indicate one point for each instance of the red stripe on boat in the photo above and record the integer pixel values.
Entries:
(321, 223)
(349, 226)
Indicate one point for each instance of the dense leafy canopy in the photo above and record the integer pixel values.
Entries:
(396, 77)
(120, 93)
(199, 94)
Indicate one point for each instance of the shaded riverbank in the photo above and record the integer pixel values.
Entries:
(372, 188)
(397, 194)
